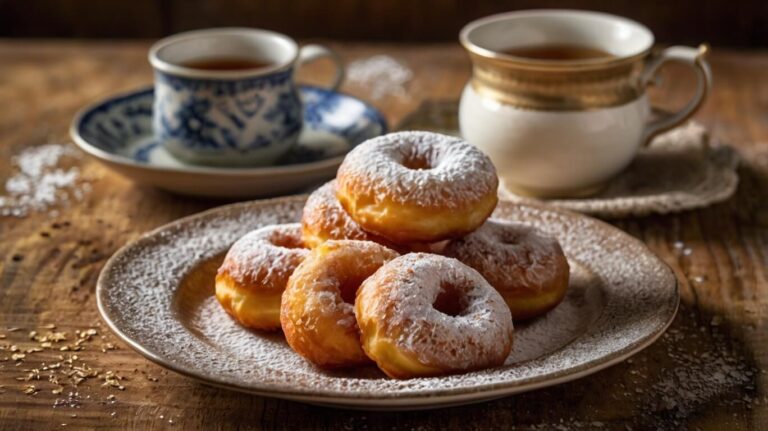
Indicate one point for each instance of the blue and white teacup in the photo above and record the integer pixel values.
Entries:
(230, 117)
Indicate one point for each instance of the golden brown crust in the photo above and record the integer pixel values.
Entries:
(316, 312)
(417, 187)
(325, 219)
(528, 269)
(426, 315)
(254, 273)
(404, 224)
(252, 308)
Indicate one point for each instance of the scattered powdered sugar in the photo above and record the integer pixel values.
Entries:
(139, 291)
(43, 180)
(701, 364)
(265, 257)
(694, 367)
(381, 75)
(398, 302)
(449, 174)
(510, 256)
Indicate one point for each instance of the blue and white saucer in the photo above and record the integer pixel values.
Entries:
(118, 133)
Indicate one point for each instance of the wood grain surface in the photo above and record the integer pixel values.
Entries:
(708, 372)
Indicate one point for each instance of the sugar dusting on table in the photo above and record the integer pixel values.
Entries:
(381, 75)
(45, 177)
(693, 365)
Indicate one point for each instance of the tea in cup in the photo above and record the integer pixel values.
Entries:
(558, 98)
(227, 96)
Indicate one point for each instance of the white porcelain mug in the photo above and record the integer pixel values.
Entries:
(237, 117)
(559, 128)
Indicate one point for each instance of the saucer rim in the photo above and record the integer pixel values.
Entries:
(297, 168)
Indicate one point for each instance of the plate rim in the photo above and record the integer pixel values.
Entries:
(106, 156)
(413, 401)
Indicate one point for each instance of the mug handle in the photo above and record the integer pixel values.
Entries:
(693, 57)
(312, 52)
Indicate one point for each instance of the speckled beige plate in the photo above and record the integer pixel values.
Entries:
(157, 294)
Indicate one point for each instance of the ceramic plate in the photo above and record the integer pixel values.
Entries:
(118, 133)
(157, 294)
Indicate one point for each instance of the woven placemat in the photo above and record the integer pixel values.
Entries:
(680, 170)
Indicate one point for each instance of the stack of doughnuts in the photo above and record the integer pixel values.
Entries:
(397, 263)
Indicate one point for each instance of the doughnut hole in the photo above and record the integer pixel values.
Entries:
(450, 301)
(348, 287)
(417, 162)
(419, 159)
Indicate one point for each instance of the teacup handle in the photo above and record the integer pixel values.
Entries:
(695, 58)
(312, 52)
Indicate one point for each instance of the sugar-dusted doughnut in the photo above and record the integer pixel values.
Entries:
(317, 309)
(528, 269)
(417, 186)
(324, 218)
(425, 315)
(251, 280)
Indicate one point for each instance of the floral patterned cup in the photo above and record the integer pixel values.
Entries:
(239, 117)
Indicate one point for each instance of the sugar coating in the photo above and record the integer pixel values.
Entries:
(399, 299)
(323, 214)
(323, 272)
(509, 254)
(381, 75)
(139, 286)
(266, 257)
(453, 174)
(45, 178)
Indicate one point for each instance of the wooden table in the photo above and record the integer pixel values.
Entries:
(708, 372)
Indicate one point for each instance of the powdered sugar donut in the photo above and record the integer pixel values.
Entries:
(324, 218)
(527, 268)
(417, 186)
(317, 313)
(425, 315)
(251, 280)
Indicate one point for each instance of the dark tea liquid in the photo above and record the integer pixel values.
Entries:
(558, 52)
(225, 63)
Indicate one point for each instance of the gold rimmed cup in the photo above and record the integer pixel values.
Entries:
(561, 126)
